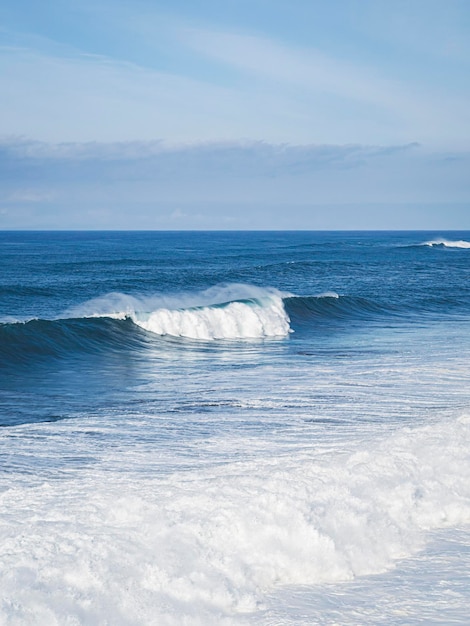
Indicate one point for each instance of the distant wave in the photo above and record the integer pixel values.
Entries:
(439, 242)
(445, 243)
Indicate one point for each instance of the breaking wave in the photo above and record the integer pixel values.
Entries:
(445, 243)
(116, 321)
(221, 312)
(230, 312)
(242, 319)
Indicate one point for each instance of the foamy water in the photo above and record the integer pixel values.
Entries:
(209, 544)
(235, 320)
(445, 243)
(234, 311)
(234, 428)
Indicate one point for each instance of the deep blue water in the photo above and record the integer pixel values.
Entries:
(76, 363)
(126, 354)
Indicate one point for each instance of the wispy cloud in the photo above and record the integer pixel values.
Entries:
(308, 68)
(159, 159)
(95, 98)
(186, 82)
(349, 87)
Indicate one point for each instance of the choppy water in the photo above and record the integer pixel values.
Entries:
(234, 428)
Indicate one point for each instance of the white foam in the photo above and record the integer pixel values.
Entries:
(235, 320)
(205, 546)
(447, 244)
(328, 294)
(222, 312)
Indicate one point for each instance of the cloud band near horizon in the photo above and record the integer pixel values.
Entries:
(230, 185)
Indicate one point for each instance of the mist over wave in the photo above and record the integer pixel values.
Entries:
(122, 305)
(233, 311)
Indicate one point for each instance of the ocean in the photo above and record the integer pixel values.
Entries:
(234, 428)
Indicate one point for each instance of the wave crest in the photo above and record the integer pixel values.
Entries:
(233, 311)
(445, 243)
(249, 319)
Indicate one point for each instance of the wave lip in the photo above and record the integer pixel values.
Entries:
(240, 319)
(445, 243)
(226, 311)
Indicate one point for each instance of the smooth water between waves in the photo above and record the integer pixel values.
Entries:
(234, 428)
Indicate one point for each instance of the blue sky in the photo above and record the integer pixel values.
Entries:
(235, 114)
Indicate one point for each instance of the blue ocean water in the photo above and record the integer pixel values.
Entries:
(234, 427)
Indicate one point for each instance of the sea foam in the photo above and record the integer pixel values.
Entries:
(445, 243)
(233, 320)
(233, 311)
(206, 546)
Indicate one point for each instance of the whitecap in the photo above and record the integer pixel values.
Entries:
(445, 243)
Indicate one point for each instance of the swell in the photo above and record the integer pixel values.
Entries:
(25, 342)
(117, 322)
(332, 307)
(307, 311)
(122, 323)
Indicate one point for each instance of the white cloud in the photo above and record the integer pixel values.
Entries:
(377, 74)
(90, 98)
(284, 95)
(377, 102)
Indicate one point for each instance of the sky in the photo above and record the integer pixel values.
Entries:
(241, 114)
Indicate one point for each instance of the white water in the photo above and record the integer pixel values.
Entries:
(234, 311)
(235, 320)
(209, 544)
(447, 244)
